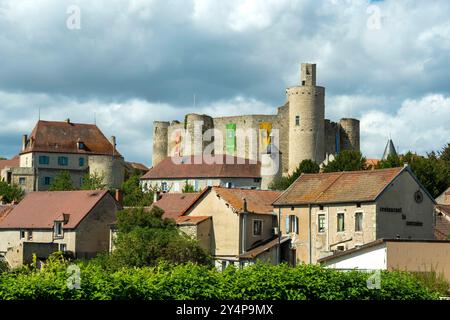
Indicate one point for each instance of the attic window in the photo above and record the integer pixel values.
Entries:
(58, 229)
(80, 145)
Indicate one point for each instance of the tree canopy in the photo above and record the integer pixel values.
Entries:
(133, 193)
(144, 238)
(62, 182)
(93, 182)
(9, 193)
(346, 160)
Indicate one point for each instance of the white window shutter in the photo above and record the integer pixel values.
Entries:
(287, 224)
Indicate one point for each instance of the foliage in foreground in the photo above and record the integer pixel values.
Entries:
(193, 282)
(9, 193)
(145, 237)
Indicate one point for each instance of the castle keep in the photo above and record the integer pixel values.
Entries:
(299, 126)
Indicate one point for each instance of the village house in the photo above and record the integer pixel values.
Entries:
(328, 212)
(395, 254)
(74, 222)
(442, 211)
(76, 148)
(6, 168)
(244, 226)
(173, 173)
(236, 226)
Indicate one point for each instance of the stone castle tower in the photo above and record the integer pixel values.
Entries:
(306, 119)
(303, 131)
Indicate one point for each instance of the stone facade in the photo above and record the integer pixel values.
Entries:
(91, 236)
(394, 214)
(303, 131)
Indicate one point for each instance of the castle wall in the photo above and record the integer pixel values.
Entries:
(332, 139)
(160, 141)
(111, 168)
(349, 134)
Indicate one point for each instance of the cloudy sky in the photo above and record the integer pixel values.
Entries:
(128, 63)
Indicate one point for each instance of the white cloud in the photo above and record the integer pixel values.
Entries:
(420, 125)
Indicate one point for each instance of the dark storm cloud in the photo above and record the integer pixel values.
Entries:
(150, 57)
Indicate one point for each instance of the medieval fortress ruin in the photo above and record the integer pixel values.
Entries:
(296, 132)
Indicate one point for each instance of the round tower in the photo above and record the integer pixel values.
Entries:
(196, 125)
(349, 134)
(160, 141)
(306, 119)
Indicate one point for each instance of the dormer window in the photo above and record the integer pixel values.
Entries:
(58, 229)
(80, 145)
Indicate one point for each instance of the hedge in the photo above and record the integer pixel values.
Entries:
(194, 282)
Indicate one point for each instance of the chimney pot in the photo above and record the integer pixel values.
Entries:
(156, 196)
(24, 142)
(119, 196)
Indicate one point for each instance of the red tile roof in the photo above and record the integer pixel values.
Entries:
(5, 210)
(442, 228)
(218, 166)
(174, 204)
(137, 166)
(53, 136)
(258, 201)
(191, 220)
(12, 163)
(39, 210)
(338, 187)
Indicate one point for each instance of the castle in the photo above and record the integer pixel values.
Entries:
(299, 127)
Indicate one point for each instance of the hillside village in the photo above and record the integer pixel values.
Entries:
(216, 179)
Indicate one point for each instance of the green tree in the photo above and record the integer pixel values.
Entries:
(432, 172)
(9, 193)
(93, 182)
(133, 193)
(62, 182)
(145, 238)
(347, 160)
(444, 154)
(188, 187)
(306, 166)
(392, 161)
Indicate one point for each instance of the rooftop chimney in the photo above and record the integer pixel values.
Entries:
(245, 205)
(68, 120)
(24, 142)
(156, 196)
(119, 196)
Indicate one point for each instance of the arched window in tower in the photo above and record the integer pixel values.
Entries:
(297, 120)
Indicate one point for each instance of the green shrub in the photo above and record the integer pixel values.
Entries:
(190, 282)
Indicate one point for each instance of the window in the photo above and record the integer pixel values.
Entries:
(321, 223)
(58, 229)
(358, 204)
(210, 183)
(176, 187)
(229, 185)
(340, 222)
(358, 222)
(47, 181)
(164, 186)
(44, 159)
(22, 234)
(196, 185)
(257, 180)
(81, 162)
(30, 235)
(321, 208)
(22, 181)
(292, 224)
(297, 120)
(63, 161)
(257, 228)
(63, 247)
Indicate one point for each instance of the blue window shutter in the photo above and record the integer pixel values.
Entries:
(287, 224)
